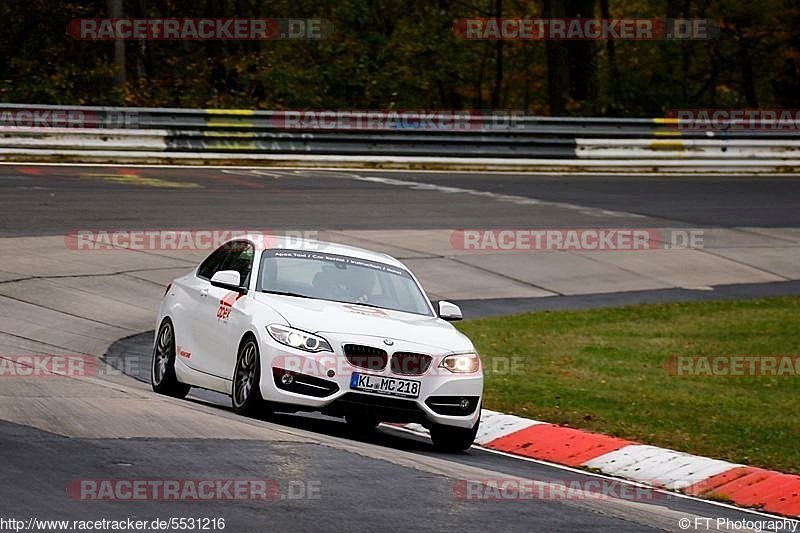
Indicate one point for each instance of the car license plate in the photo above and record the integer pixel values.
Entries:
(405, 388)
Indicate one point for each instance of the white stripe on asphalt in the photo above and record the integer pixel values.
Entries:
(509, 198)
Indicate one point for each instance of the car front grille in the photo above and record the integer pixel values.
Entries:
(410, 364)
(366, 357)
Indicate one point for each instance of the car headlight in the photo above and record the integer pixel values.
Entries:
(298, 339)
(461, 363)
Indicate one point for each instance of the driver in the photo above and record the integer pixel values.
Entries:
(361, 284)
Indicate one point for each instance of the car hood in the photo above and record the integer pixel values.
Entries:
(321, 316)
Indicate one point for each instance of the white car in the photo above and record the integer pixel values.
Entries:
(291, 325)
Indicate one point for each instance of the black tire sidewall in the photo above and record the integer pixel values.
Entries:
(254, 400)
(169, 384)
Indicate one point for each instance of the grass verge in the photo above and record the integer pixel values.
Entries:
(607, 371)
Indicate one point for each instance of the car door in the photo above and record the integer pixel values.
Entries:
(189, 324)
(220, 319)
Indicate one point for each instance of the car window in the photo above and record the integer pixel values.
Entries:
(212, 262)
(342, 279)
(240, 258)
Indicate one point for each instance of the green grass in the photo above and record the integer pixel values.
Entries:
(604, 371)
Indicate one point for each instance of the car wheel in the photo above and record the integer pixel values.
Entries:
(162, 370)
(362, 423)
(246, 394)
(453, 439)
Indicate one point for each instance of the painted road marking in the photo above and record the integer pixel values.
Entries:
(509, 198)
(127, 178)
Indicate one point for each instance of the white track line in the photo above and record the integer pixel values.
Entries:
(508, 198)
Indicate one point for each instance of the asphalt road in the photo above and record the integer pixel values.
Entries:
(715, 201)
(46, 200)
(332, 490)
(53, 200)
(407, 495)
(361, 488)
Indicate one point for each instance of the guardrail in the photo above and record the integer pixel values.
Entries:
(109, 134)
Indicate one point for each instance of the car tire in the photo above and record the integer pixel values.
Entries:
(362, 423)
(453, 439)
(162, 368)
(245, 391)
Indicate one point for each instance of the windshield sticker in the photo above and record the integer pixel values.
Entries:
(337, 260)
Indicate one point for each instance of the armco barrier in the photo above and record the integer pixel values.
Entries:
(83, 139)
(687, 148)
(108, 134)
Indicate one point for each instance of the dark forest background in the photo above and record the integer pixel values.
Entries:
(404, 54)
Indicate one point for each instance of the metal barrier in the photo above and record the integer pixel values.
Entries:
(45, 132)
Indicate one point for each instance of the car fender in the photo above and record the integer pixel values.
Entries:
(256, 316)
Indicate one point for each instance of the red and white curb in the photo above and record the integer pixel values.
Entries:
(745, 486)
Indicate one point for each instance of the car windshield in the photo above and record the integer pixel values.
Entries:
(340, 278)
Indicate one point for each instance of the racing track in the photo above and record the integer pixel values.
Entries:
(102, 303)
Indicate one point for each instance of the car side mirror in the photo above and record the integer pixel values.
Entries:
(228, 279)
(449, 311)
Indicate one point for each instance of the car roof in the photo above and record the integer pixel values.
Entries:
(271, 242)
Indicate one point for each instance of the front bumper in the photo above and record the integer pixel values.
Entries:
(321, 382)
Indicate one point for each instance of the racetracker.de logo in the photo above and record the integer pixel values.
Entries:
(44, 365)
(733, 365)
(48, 118)
(121, 490)
(32, 117)
(733, 120)
(197, 29)
(173, 490)
(583, 29)
(326, 365)
(578, 240)
(382, 120)
(181, 240)
(515, 489)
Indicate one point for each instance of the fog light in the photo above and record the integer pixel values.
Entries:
(464, 404)
(287, 379)
(331, 373)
